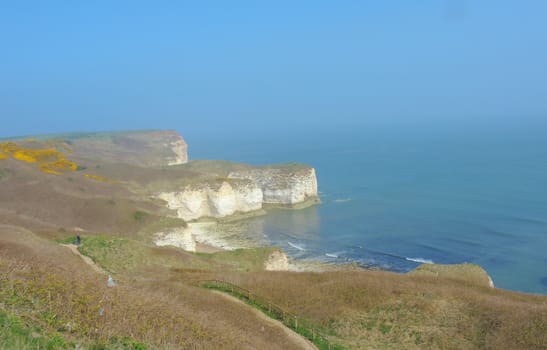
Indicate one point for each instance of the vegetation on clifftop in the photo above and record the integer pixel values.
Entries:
(50, 298)
(49, 160)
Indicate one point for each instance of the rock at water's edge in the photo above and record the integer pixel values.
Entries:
(281, 186)
(277, 261)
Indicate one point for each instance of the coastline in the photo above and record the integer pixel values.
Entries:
(213, 236)
(308, 202)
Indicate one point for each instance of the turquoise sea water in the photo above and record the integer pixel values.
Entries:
(393, 199)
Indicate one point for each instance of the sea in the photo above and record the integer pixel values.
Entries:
(394, 197)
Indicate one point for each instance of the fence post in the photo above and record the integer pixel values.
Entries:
(313, 333)
(269, 306)
(295, 322)
(231, 285)
(249, 294)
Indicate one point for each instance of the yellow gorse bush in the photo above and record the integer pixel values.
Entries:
(8, 147)
(50, 160)
(35, 155)
(58, 166)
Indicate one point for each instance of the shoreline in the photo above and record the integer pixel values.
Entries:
(238, 216)
(308, 202)
(197, 238)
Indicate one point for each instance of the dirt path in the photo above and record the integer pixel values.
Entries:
(296, 338)
(74, 248)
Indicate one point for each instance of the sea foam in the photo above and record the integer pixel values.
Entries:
(296, 246)
(420, 260)
(342, 200)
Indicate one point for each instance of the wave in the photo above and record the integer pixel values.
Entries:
(420, 260)
(332, 255)
(342, 200)
(296, 246)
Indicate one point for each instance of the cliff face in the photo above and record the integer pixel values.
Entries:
(177, 237)
(244, 191)
(179, 148)
(213, 200)
(280, 186)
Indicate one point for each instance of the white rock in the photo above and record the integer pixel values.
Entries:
(179, 148)
(280, 187)
(246, 192)
(177, 237)
(277, 261)
(193, 203)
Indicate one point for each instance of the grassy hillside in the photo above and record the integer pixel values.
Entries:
(49, 296)
(375, 309)
(50, 288)
(51, 299)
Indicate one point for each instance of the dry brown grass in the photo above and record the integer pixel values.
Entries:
(374, 309)
(358, 309)
(50, 286)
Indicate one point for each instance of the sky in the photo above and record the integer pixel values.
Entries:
(215, 66)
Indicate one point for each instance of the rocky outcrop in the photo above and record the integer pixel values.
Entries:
(179, 148)
(214, 200)
(282, 186)
(177, 237)
(244, 191)
(277, 261)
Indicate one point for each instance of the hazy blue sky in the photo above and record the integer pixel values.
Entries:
(102, 65)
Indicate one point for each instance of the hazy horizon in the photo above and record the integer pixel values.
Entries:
(212, 68)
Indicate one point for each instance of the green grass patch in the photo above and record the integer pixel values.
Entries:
(113, 254)
(118, 255)
(16, 334)
(241, 259)
(139, 215)
(67, 240)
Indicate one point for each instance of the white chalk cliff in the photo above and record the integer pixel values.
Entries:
(178, 237)
(179, 148)
(280, 186)
(243, 192)
(213, 200)
(219, 189)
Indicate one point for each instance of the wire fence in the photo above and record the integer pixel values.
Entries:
(295, 322)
